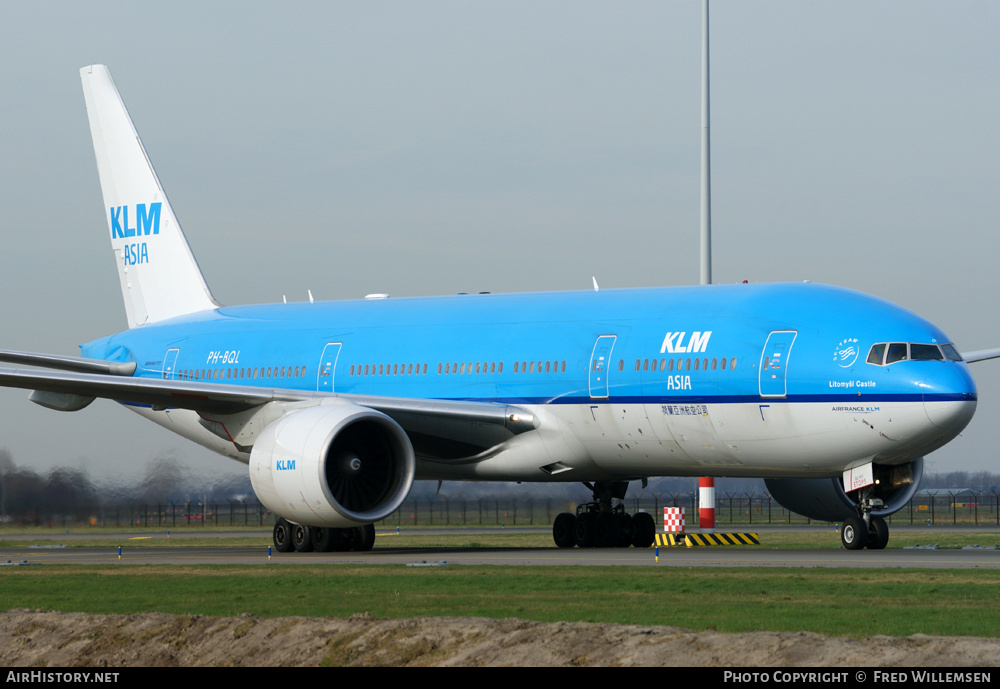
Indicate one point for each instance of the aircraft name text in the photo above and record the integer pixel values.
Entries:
(852, 383)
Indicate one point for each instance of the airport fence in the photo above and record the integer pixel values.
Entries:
(940, 507)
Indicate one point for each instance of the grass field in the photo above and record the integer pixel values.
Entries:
(853, 602)
(842, 602)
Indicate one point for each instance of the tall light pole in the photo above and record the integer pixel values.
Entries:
(706, 186)
(706, 484)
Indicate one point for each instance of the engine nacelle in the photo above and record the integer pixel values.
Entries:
(332, 465)
(825, 498)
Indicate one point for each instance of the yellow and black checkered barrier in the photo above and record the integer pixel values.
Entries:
(692, 540)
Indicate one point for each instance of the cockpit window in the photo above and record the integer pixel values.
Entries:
(876, 354)
(897, 352)
(950, 353)
(925, 352)
(885, 353)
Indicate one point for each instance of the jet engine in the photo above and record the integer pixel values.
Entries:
(335, 465)
(825, 498)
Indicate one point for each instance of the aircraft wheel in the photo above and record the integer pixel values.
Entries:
(364, 538)
(282, 536)
(563, 530)
(301, 539)
(643, 530)
(878, 534)
(323, 539)
(854, 533)
(624, 530)
(584, 530)
(606, 531)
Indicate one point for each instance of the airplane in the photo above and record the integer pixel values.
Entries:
(834, 397)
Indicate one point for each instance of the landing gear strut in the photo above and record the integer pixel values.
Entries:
(599, 524)
(865, 529)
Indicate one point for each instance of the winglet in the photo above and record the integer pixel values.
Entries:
(159, 276)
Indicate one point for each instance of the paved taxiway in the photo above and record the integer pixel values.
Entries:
(155, 552)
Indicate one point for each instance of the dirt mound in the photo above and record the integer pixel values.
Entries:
(30, 638)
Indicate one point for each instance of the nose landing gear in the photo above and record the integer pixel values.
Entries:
(866, 529)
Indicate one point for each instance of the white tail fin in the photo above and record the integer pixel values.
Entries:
(159, 276)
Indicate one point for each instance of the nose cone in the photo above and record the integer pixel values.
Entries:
(950, 397)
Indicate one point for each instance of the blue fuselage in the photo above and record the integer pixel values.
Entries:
(715, 371)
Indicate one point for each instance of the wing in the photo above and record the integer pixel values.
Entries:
(981, 355)
(447, 430)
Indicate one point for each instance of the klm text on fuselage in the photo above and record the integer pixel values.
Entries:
(146, 221)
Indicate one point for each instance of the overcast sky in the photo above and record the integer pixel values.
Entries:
(438, 147)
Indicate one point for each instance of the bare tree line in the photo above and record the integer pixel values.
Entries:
(27, 495)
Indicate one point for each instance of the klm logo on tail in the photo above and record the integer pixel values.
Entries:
(145, 222)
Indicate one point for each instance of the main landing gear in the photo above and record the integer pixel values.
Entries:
(599, 524)
(302, 539)
(865, 529)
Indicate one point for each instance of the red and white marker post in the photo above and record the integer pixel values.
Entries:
(706, 504)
